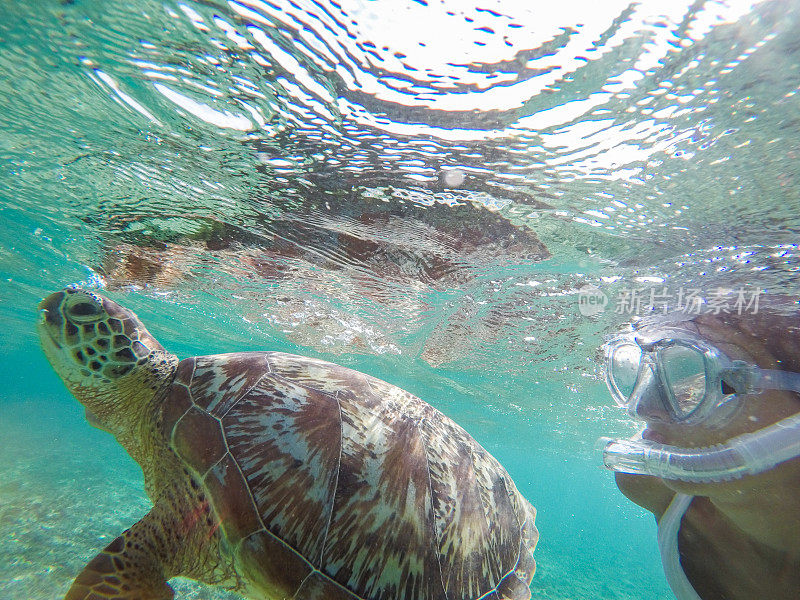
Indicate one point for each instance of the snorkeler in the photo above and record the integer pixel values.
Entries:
(718, 461)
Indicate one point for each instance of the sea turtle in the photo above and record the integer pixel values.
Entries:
(279, 476)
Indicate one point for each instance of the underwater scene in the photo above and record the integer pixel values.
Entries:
(464, 199)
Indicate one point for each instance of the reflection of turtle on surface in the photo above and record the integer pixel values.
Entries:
(374, 238)
(279, 476)
(337, 272)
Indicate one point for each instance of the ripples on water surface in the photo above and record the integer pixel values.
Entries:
(417, 189)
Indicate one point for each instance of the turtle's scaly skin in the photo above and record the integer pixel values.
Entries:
(280, 476)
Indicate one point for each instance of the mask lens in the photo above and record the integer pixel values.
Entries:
(625, 361)
(685, 374)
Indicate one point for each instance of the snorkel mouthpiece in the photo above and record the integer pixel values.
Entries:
(746, 454)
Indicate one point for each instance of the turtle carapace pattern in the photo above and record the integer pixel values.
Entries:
(284, 477)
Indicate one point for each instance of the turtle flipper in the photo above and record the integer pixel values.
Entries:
(121, 571)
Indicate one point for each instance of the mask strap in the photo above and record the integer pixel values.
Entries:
(773, 379)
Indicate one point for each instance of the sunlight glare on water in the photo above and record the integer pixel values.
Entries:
(416, 189)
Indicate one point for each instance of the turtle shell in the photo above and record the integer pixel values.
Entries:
(331, 484)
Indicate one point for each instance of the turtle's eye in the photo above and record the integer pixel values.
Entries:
(84, 311)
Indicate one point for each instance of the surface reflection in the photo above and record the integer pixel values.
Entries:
(415, 168)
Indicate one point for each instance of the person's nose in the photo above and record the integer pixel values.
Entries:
(648, 401)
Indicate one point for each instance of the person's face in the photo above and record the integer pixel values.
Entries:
(754, 412)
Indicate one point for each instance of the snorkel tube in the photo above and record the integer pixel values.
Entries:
(745, 454)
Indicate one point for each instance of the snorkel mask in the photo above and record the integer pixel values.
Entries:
(694, 383)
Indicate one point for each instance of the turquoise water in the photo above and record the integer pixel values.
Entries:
(416, 190)
(69, 489)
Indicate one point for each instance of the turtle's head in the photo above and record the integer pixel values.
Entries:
(105, 356)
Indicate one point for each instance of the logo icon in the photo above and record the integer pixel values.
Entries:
(591, 300)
